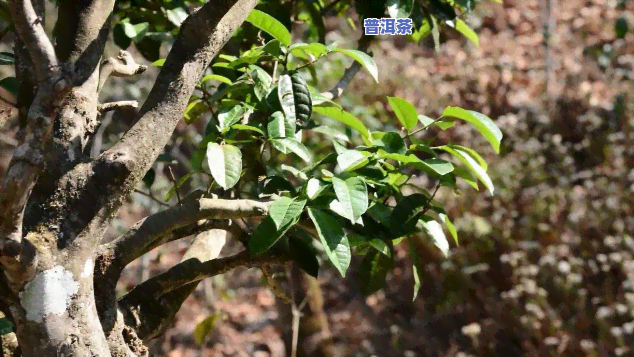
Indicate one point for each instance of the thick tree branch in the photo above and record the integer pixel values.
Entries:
(149, 315)
(81, 33)
(153, 230)
(123, 65)
(29, 27)
(202, 36)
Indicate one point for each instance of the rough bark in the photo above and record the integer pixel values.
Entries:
(57, 283)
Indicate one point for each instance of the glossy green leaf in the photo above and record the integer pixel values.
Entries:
(472, 165)
(315, 49)
(450, 227)
(333, 238)
(270, 25)
(352, 196)
(313, 188)
(295, 99)
(433, 165)
(474, 154)
(216, 77)
(279, 127)
(262, 81)
(248, 128)
(176, 15)
(416, 268)
(405, 112)
(351, 160)
(284, 210)
(435, 232)
(366, 61)
(225, 164)
(344, 117)
(227, 118)
(484, 124)
(332, 132)
(286, 145)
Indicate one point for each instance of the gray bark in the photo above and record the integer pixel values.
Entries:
(57, 282)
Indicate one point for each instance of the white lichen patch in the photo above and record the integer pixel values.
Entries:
(49, 293)
(87, 269)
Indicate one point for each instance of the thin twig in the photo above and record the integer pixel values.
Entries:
(151, 196)
(178, 195)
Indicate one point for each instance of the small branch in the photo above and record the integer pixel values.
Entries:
(193, 270)
(178, 195)
(124, 104)
(121, 66)
(146, 232)
(29, 27)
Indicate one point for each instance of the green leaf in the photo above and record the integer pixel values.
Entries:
(286, 145)
(333, 238)
(351, 160)
(247, 127)
(373, 271)
(158, 63)
(271, 25)
(484, 124)
(176, 15)
(435, 32)
(467, 32)
(10, 84)
(390, 142)
(262, 80)
(205, 328)
(344, 117)
(6, 58)
(366, 61)
(405, 112)
(295, 99)
(279, 127)
(215, 77)
(433, 166)
(284, 210)
(450, 227)
(313, 188)
(227, 118)
(435, 232)
(352, 196)
(406, 213)
(472, 165)
(416, 268)
(194, 110)
(225, 164)
(399, 9)
(316, 49)
(474, 154)
(137, 31)
(266, 234)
